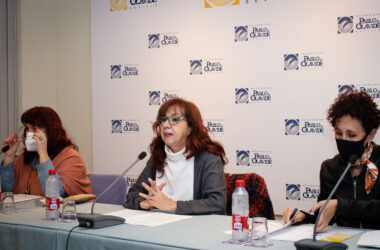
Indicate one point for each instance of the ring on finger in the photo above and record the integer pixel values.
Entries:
(41, 137)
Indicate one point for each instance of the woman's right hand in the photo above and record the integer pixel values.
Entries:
(13, 141)
(297, 218)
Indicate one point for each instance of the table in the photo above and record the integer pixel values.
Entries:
(26, 229)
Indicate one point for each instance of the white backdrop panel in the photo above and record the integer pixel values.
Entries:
(122, 114)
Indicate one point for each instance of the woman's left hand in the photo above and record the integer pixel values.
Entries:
(156, 198)
(326, 215)
(41, 140)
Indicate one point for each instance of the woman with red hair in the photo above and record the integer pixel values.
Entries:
(46, 147)
(185, 173)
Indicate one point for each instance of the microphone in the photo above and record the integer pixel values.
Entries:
(307, 244)
(5, 149)
(97, 220)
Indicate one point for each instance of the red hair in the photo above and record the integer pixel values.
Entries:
(46, 118)
(197, 141)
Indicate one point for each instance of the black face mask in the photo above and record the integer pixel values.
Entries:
(348, 148)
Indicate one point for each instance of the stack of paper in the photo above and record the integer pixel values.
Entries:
(370, 239)
(148, 218)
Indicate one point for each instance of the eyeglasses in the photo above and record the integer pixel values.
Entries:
(20, 131)
(173, 119)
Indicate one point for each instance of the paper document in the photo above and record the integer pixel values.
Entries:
(370, 239)
(276, 225)
(148, 218)
(294, 233)
(25, 197)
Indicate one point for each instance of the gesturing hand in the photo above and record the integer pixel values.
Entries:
(326, 215)
(13, 141)
(156, 198)
(288, 212)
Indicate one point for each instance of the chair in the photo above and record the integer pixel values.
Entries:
(260, 203)
(116, 194)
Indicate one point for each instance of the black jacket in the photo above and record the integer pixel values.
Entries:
(355, 207)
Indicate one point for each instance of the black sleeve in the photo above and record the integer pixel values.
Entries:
(356, 208)
(324, 189)
(133, 199)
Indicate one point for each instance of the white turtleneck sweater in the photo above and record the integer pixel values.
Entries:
(179, 176)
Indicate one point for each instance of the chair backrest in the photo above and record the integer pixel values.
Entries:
(116, 194)
(260, 203)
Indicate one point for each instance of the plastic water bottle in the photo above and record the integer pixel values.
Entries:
(52, 196)
(240, 211)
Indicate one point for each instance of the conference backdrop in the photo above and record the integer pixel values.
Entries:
(262, 72)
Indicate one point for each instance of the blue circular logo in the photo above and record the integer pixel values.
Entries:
(241, 33)
(115, 71)
(154, 97)
(116, 126)
(345, 24)
(242, 157)
(292, 127)
(154, 41)
(293, 191)
(291, 61)
(345, 88)
(195, 67)
(241, 95)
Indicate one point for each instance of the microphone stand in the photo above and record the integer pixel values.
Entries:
(97, 220)
(307, 244)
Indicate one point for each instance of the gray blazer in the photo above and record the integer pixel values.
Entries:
(209, 187)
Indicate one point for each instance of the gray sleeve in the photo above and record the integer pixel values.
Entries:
(210, 187)
(133, 199)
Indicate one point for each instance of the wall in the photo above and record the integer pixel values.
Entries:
(54, 64)
(262, 72)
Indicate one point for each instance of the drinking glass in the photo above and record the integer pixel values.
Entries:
(69, 213)
(259, 232)
(8, 202)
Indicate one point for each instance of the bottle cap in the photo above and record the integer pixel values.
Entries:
(240, 183)
(51, 171)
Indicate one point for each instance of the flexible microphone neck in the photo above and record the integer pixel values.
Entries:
(139, 158)
(351, 161)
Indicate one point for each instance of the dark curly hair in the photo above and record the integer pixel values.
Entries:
(357, 104)
(48, 119)
(197, 141)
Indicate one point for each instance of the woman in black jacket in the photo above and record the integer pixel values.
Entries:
(356, 203)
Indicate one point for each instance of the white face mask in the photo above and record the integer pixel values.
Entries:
(30, 143)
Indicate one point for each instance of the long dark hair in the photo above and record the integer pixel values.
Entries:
(48, 119)
(197, 141)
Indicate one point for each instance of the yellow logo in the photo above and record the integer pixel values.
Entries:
(220, 3)
(116, 5)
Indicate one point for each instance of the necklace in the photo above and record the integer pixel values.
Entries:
(27, 183)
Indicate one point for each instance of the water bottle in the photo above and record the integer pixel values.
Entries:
(52, 196)
(240, 211)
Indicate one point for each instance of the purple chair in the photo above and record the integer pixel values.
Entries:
(116, 195)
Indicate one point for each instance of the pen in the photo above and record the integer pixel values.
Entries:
(293, 214)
